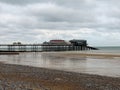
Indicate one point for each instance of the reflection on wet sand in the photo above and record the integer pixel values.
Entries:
(77, 63)
(63, 63)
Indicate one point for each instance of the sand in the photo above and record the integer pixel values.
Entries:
(82, 54)
(18, 77)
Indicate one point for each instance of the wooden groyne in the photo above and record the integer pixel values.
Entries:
(9, 53)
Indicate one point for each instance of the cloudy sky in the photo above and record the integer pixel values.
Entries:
(35, 21)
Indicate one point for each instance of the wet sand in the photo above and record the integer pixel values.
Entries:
(79, 54)
(17, 77)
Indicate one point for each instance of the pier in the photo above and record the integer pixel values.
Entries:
(52, 45)
(40, 48)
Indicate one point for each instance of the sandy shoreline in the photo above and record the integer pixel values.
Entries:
(82, 54)
(14, 77)
(73, 53)
(70, 54)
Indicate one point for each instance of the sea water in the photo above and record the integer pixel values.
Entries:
(82, 64)
(105, 50)
(110, 49)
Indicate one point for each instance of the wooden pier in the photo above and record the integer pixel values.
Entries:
(42, 47)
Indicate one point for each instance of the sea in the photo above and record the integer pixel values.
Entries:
(109, 49)
(106, 66)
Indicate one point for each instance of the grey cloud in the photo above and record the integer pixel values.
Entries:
(58, 16)
(22, 17)
(19, 2)
(61, 2)
(62, 16)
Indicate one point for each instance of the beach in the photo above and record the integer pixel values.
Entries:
(18, 77)
(59, 45)
(78, 54)
(29, 77)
